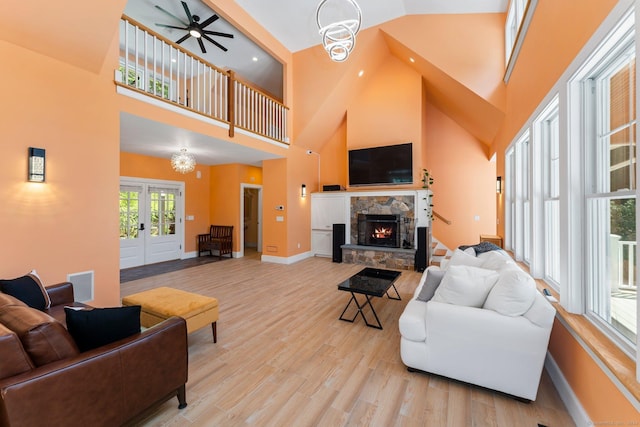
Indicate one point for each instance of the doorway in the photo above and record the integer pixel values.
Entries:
(251, 216)
(151, 227)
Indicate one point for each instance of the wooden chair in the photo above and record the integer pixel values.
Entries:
(219, 238)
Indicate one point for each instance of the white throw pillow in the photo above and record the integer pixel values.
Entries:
(494, 260)
(513, 293)
(462, 258)
(465, 285)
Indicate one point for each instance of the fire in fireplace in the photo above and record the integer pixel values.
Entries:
(379, 230)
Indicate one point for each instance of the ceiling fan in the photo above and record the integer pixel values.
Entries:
(195, 28)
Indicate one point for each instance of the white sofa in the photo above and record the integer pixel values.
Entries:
(486, 324)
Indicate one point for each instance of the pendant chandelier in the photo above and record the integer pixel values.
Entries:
(183, 162)
(339, 37)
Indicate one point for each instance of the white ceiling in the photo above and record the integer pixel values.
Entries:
(293, 23)
(143, 136)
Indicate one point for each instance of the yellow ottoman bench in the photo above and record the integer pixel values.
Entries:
(161, 303)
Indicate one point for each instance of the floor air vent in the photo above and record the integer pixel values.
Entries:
(82, 285)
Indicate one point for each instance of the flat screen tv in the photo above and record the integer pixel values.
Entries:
(388, 165)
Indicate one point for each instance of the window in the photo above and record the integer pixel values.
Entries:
(547, 132)
(571, 185)
(163, 212)
(510, 200)
(518, 197)
(609, 119)
(514, 19)
(129, 213)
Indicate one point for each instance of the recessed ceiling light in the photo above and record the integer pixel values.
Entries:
(254, 59)
(360, 73)
(412, 60)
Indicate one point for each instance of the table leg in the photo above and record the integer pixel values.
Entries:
(361, 312)
(397, 297)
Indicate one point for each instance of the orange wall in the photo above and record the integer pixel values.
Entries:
(557, 33)
(388, 111)
(196, 190)
(392, 109)
(333, 159)
(274, 233)
(464, 180)
(70, 223)
(282, 180)
(225, 196)
(604, 403)
(301, 169)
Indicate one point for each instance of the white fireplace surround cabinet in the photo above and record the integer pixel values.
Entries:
(336, 207)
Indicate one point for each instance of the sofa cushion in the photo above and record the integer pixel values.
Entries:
(460, 257)
(433, 280)
(92, 328)
(513, 293)
(15, 359)
(44, 339)
(28, 289)
(466, 285)
(495, 260)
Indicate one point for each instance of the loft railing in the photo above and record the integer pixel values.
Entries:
(155, 66)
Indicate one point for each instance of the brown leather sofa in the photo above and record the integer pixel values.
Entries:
(53, 383)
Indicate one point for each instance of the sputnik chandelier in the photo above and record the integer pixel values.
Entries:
(339, 37)
(183, 162)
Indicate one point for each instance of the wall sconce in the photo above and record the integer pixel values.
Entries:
(499, 185)
(303, 191)
(36, 164)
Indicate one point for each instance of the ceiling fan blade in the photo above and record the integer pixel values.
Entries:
(188, 12)
(171, 26)
(216, 33)
(202, 45)
(172, 15)
(213, 18)
(183, 38)
(204, 36)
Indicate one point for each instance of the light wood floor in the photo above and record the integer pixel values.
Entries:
(284, 359)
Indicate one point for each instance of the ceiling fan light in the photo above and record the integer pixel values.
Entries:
(195, 33)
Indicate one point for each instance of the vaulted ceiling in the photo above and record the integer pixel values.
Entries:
(82, 34)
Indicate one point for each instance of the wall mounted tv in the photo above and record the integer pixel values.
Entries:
(388, 165)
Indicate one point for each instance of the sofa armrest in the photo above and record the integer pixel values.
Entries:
(61, 293)
(105, 386)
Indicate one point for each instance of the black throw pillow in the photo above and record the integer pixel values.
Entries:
(28, 289)
(92, 328)
(481, 247)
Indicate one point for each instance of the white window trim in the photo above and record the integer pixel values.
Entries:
(538, 265)
(521, 34)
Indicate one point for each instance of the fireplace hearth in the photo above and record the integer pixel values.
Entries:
(379, 230)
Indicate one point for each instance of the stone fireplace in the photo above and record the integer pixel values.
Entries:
(382, 231)
(379, 230)
(400, 206)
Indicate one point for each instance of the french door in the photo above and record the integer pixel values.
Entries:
(151, 228)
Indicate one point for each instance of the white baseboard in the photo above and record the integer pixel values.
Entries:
(286, 260)
(187, 255)
(574, 407)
